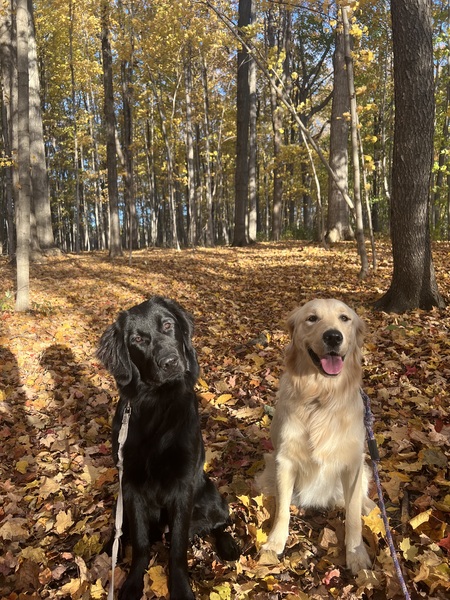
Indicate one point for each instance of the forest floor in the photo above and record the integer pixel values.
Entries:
(57, 478)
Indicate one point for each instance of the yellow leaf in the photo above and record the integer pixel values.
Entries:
(374, 521)
(223, 398)
(158, 579)
(63, 521)
(221, 419)
(36, 555)
(421, 518)
(270, 582)
(97, 591)
(258, 360)
(21, 466)
(88, 546)
(259, 500)
(221, 592)
(71, 588)
(245, 500)
(261, 537)
(409, 552)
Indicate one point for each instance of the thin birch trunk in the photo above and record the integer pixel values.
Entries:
(355, 152)
(75, 130)
(39, 178)
(209, 189)
(24, 192)
(115, 243)
(252, 195)
(170, 169)
(192, 201)
(8, 57)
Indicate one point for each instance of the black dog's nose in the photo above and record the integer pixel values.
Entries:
(333, 337)
(169, 362)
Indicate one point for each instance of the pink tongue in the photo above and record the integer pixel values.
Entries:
(331, 364)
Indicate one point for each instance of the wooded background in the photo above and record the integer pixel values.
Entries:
(140, 124)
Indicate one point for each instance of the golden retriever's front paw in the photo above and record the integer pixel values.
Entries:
(275, 545)
(268, 557)
(358, 559)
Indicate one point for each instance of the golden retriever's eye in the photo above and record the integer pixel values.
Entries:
(344, 318)
(312, 318)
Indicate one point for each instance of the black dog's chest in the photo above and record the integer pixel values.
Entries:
(161, 449)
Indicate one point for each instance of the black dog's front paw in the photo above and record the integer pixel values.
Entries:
(181, 590)
(226, 547)
(132, 589)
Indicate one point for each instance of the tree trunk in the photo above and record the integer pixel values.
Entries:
(173, 227)
(443, 150)
(150, 167)
(279, 46)
(39, 178)
(209, 187)
(8, 56)
(413, 282)
(192, 201)
(77, 222)
(127, 68)
(24, 193)
(355, 148)
(242, 131)
(115, 244)
(338, 221)
(252, 192)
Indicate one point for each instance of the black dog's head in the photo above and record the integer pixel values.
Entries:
(151, 342)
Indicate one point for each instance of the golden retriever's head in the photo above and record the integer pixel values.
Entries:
(326, 336)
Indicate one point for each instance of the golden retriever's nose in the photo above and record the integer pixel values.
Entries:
(333, 338)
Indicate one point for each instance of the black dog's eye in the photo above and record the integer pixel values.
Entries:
(344, 318)
(312, 318)
(167, 326)
(138, 339)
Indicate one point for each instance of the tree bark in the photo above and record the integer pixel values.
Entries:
(24, 193)
(173, 222)
(413, 282)
(338, 221)
(242, 132)
(77, 222)
(279, 46)
(41, 196)
(355, 148)
(192, 201)
(115, 244)
(209, 229)
(252, 191)
(8, 54)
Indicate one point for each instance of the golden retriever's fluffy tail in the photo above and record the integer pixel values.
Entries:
(266, 480)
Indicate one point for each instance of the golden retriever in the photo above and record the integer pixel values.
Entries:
(318, 427)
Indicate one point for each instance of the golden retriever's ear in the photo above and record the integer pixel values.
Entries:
(360, 331)
(290, 355)
(292, 320)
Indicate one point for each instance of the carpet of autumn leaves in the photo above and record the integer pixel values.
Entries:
(57, 479)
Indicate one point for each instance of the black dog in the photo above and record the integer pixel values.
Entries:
(149, 352)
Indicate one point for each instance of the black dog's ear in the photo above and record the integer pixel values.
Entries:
(186, 323)
(113, 352)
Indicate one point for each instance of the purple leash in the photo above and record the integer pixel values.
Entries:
(374, 455)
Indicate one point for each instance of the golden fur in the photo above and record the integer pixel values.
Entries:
(318, 429)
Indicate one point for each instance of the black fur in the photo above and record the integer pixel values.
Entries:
(149, 352)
